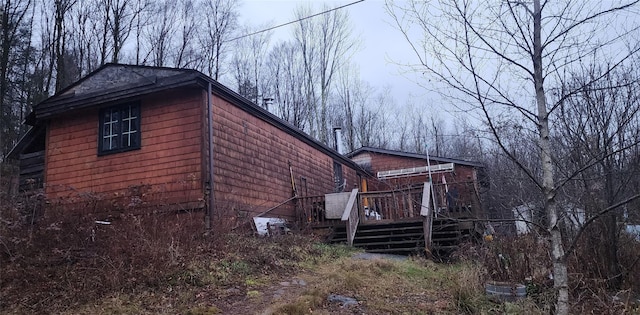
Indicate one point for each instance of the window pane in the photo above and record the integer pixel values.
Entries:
(120, 128)
(115, 118)
(129, 126)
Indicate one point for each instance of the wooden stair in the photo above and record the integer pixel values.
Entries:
(404, 238)
(391, 238)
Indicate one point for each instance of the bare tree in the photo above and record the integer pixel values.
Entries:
(326, 44)
(141, 21)
(504, 58)
(221, 19)
(285, 84)
(353, 95)
(60, 36)
(303, 35)
(186, 52)
(14, 19)
(82, 40)
(600, 126)
(248, 61)
(160, 35)
(372, 126)
(114, 20)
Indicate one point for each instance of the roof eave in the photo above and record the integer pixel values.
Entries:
(412, 155)
(283, 125)
(111, 96)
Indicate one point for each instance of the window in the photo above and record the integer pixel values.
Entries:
(119, 129)
(338, 178)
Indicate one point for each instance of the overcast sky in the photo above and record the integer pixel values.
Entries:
(382, 44)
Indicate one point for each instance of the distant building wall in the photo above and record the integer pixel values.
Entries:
(376, 162)
(457, 192)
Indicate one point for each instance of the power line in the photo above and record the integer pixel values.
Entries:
(296, 21)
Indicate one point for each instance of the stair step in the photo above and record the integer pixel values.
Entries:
(448, 234)
(445, 239)
(419, 235)
(445, 247)
(402, 237)
(395, 250)
(412, 242)
(444, 225)
(360, 237)
(382, 230)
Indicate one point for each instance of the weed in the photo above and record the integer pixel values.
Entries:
(305, 304)
(252, 282)
(327, 251)
(466, 288)
(203, 310)
(352, 281)
(293, 309)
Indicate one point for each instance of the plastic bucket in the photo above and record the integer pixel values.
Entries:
(505, 291)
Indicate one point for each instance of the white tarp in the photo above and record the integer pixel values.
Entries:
(334, 204)
(262, 224)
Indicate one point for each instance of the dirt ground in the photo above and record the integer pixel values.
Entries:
(305, 293)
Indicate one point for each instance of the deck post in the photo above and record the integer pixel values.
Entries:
(426, 211)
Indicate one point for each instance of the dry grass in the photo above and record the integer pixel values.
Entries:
(163, 264)
(144, 264)
(526, 260)
(415, 286)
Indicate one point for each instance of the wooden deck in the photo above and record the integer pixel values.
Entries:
(394, 220)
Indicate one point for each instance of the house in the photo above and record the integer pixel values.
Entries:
(138, 139)
(458, 184)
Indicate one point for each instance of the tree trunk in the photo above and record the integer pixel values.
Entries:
(4, 66)
(560, 277)
(59, 45)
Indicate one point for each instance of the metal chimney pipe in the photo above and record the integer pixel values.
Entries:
(267, 101)
(337, 134)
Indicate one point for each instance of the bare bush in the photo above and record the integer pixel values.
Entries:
(525, 259)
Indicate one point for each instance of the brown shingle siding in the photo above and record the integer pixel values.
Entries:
(252, 163)
(169, 158)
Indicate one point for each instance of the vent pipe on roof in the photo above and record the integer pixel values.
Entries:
(267, 101)
(337, 134)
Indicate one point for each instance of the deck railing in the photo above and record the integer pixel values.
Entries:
(311, 211)
(394, 205)
(351, 216)
(455, 200)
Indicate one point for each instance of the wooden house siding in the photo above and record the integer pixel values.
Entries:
(253, 149)
(459, 195)
(167, 164)
(377, 162)
(251, 165)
